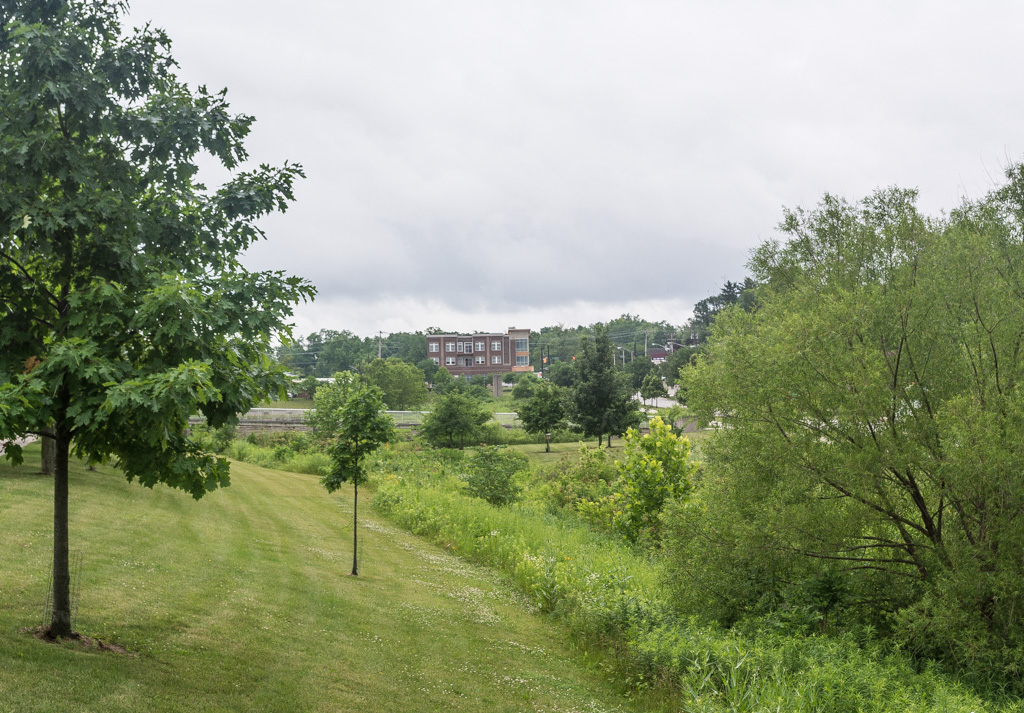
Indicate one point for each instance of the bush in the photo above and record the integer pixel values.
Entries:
(524, 387)
(481, 380)
(216, 440)
(584, 477)
(455, 420)
(493, 475)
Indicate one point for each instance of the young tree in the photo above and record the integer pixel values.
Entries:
(325, 416)
(403, 385)
(600, 402)
(652, 387)
(525, 386)
(445, 382)
(544, 411)
(455, 420)
(126, 309)
(655, 469)
(363, 427)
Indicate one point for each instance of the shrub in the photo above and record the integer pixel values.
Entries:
(455, 420)
(493, 475)
(524, 387)
(214, 439)
(587, 476)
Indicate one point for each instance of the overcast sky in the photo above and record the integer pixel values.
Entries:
(475, 165)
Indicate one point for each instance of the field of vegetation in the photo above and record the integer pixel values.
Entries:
(614, 596)
(241, 602)
(616, 599)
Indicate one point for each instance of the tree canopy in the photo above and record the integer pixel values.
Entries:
(544, 411)
(328, 400)
(125, 306)
(454, 421)
(402, 385)
(874, 398)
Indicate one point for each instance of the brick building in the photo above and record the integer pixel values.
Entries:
(472, 354)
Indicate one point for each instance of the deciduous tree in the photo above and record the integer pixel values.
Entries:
(544, 411)
(325, 416)
(655, 469)
(652, 387)
(125, 307)
(454, 421)
(402, 385)
(362, 428)
(874, 399)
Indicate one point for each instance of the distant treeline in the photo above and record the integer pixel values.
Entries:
(329, 351)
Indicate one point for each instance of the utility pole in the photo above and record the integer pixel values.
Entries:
(380, 336)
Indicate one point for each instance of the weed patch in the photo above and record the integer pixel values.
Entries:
(612, 595)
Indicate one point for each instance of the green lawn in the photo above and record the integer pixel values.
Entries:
(241, 602)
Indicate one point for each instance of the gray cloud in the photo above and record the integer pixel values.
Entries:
(473, 159)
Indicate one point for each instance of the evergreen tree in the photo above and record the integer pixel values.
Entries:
(600, 400)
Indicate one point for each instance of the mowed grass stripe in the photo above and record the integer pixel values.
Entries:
(242, 602)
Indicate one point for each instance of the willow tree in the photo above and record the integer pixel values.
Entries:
(125, 308)
(873, 406)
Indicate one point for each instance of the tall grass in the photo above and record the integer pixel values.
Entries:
(611, 595)
(280, 458)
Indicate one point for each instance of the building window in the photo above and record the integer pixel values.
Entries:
(460, 348)
(481, 360)
(469, 347)
(495, 346)
(436, 361)
(434, 347)
(522, 345)
(522, 361)
(449, 361)
(495, 359)
(449, 346)
(479, 346)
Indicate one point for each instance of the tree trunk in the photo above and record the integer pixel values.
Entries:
(355, 529)
(60, 624)
(48, 465)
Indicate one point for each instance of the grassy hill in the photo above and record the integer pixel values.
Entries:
(241, 602)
